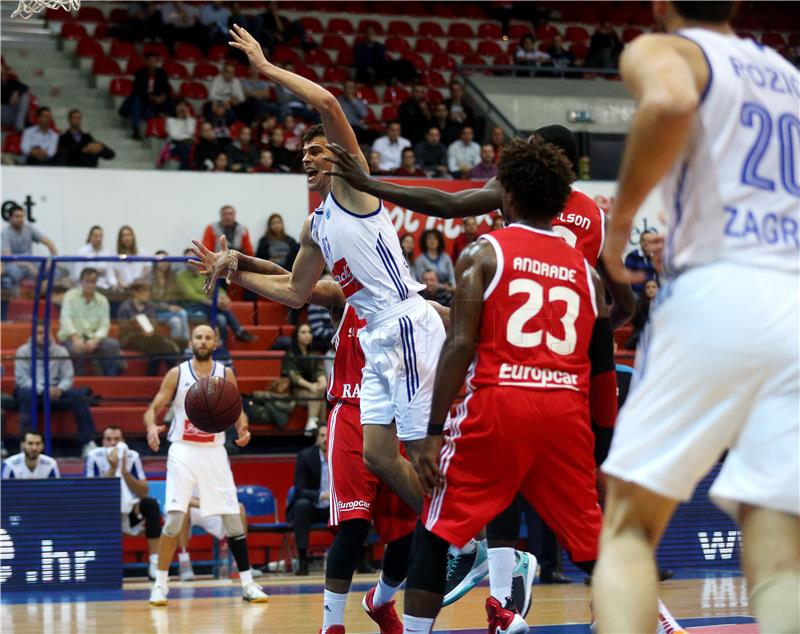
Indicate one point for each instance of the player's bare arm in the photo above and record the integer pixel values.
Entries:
(666, 75)
(474, 270)
(138, 487)
(624, 299)
(161, 400)
(425, 200)
(242, 425)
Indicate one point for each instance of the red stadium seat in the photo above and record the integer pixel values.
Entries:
(336, 75)
(629, 34)
(518, 31)
(432, 79)
(156, 47)
(443, 62)
(460, 29)
(122, 50)
(472, 10)
(283, 55)
(335, 90)
(367, 94)
(218, 53)
(473, 60)
(397, 45)
(157, 127)
(546, 32)
(134, 64)
(175, 70)
(342, 26)
(642, 17)
(89, 48)
(205, 71)
(576, 34)
(434, 96)
(307, 72)
(427, 45)
(90, 14)
(503, 60)
(188, 52)
(489, 48)
(105, 66)
(120, 87)
(458, 47)
(772, 39)
(430, 29)
(100, 31)
(364, 24)
(319, 57)
(389, 113)
(312, 25)
(395, 95)
(579, 50)
(334, 43)
(12, 144)
(400, 27)
(417, 60)
(345, 57)
(72, 31)
(193, 90)
(490, 31)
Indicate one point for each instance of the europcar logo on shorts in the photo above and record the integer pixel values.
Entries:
(353, 505)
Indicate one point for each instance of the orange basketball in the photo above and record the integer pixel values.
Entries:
(213, 404)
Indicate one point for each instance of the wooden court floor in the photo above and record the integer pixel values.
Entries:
(716, 602)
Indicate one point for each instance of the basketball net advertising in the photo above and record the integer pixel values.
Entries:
(26, 9)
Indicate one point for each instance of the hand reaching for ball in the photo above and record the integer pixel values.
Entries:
(153, 433)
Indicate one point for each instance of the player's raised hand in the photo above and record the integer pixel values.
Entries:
(251, 47)
(214, 265)
(348, 167)
(153, 432)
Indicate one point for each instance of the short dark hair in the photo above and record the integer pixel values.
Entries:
(392, 122)
(72, 112)
(14, 209)
(423, 239)
(42, 110)
(563, 139)
(117, 427)
(538, 175)
(33, 433)
(89, 270)
(408, 149)
(705, 11)
(312, 133)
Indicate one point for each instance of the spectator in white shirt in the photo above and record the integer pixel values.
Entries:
(390, 147)
(40, 142)
(464, 154)
(30, 463)
(180, 130)
(128, 272)
(106, 279)
(227, 88)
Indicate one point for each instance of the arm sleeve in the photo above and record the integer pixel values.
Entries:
(66, 373)
(67, 328)
(22, 371)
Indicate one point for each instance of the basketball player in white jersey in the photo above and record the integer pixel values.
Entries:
(197, 459)
(30, 463)
(718, 127)
(353, 234)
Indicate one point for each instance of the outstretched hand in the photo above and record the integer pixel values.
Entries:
(348, 167)
(251, 47)
(214, 265)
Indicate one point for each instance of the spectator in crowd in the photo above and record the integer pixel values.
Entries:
(408, 165)
(143, 19)
(498, 140)
(604, 48)
(355, 110)
(290, 104)
(236, 234)
(527, 54)
(432, 154)
(150, 94)
(106, 278)
(275, 245)
(139, 512)
(640, 260)
(30, 463)
(207, 148)
(283, 158)
(266, 163)
(137, 330)
(390, 147)
(17, 239)
(433, 258)
(407, 245)
(85, 322)
(198, 304)
(165, 292)
(641, 313)
(448, 129)
(433, 290)
(311, 501)
(227, 88)
(306, 372)
(560, 57)
(180, 133)
(221, 119)
(468, 235)
(15, 99)
(464, 154)
(460, 112)
(374, 163)
(128, 272)
(77, 148)
(292, 132)
(263, 129)
(243, 153)
(214, 16)
(321, 324)
(180, 23)
(221, 162)
(498, 223)
(369, 58)
(415, 114)
(257, 91)
(40, 142)
(487, 168)
(63, 395)
(279, 30)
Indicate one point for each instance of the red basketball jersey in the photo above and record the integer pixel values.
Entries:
(538, 314)
(348, 362)
(582, 224)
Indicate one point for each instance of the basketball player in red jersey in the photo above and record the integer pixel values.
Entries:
(521, 321)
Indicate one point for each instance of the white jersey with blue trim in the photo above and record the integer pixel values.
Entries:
(181, 429)
(734, 195)
(364, 256)
(14, 468)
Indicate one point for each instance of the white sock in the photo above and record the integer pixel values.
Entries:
(333, 609)
(184, 558)
(154, 558)
(416, 625)
(246, 577)
(162, 578)
(383, 593)
(501, 568)
(466, 549)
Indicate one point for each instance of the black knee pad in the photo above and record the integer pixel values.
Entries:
(505, 527)
(397, 556)
(343, 553)
(428, 567)
(149, 509)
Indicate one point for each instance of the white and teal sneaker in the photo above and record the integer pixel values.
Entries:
(465, 570)
(522, 580)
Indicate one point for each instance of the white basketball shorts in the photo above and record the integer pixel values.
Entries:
(718, 369)
(191, 465)
(402, 347)
(211, 524)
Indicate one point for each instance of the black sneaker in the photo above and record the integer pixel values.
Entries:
(464, 572)
(525, 566)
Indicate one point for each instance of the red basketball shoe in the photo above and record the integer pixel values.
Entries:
(503, 620)
(385, 616)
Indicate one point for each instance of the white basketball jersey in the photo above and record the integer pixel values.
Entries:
(15, 468)
(363, 254)
(735, 193)
(182, 429)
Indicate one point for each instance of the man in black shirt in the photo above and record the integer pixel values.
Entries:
(15, 98)
(415, 115)
(77, 148)
(432, 154)
(150, 95)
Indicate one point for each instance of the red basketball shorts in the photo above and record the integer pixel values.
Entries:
(356, 493)
(503, 440)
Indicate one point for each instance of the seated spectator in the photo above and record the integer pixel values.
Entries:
(289, 104)
(30, 463)
(180, 23)
(356, 111)
(221, 163)
(433, 290)
(641, 313)
(15, 98)
(311, 501)
(207, 148)
(85, 322)
(408, 165)
(560, 57)
(214, 16)
(275, 245)
(432, 154)
(236, 234)
(137, 330)
(468, 235)
(106, 277)
(390, 147)
(498, 141)
(63, 395)
(221, 119)
(640, 260)
(165, 292)
(266, 164)
(263, 129)
(528, 54)
(277, 29)
(463, 155)
(284, 159)
(374, 162)
(407, 245)
(460, 112)
(306, 372)
(143, 19)
(40, 142)
(77, 148)
(150, 95)
(257, 92)
(128, 272)
(433, 258)
(487, 168)
(605, 48)
(180, 132)
(139, 513)
(415, 114)
(448, 129)
(369, 58)
(243, 153)
(17, 239)
(227, 88)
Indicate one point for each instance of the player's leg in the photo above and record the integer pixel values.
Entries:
(237, 542)
(340, 566)
(185, 570)
(149, 509)
(382, 457)
(425, 582)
